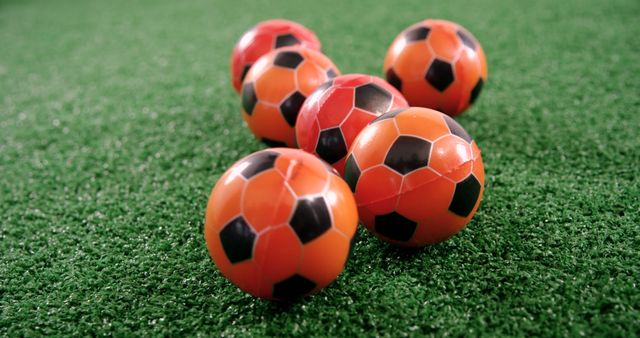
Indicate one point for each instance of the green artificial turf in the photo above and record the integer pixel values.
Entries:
(117, 117)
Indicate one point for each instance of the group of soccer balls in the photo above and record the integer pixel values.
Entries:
(281, 223)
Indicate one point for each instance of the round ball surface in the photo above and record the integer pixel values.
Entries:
(417, 175)
(263, 38)
(276, 87)
(337, 111)
(437, 64)
(280, 224)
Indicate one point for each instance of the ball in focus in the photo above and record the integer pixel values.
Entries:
(437, 64)
(276, 87)
(263, 38)
(417, 175)
(280, 223)
(337, 111)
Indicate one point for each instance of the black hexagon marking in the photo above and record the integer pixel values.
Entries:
(286, 40)
(394, 79)
(440, 74)
(291, 107)
(352, 173)
(257, 163)
(395, 226)
(331, 73)
(310, 219)
(466, 39)
(288, 59)
(388, 115)
(293, 287)
(407, 154)
(273, 143)
(417, 34)
(372, 98)
(237, 239)
(465, 196)
(456, 129)
(331, 146)
(249, 98)
(245, 70)
(475, 92)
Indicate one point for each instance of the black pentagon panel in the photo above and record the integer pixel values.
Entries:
(407, 154)
(475, 92)
(331, 146)
(331, 73)
(465, 196)
(456, 129)
(293, 287)
(466, 39)
(388, 115)
(440, 74)
(352, 173)
(395, 226)
(237, 239)
(417, 34)
(273, 143)
(291, 107)
(394, 79)
(249, 98)
(257, 163)
(286, 40)
(372, 98)
(245, 70)
(288, 59)
(310, 219)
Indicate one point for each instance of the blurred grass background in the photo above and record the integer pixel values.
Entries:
(116, 119)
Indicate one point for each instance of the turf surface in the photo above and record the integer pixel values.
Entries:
(116, 119)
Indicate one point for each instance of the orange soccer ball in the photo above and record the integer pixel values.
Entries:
(437, 64)
(417, 175)
(276, 87)
(280, 224)
(263, 38)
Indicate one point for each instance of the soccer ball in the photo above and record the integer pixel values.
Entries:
(417, 176)
(337, 111)
(437, 64)
(276, 87)
(280, 224)
(263, 38)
